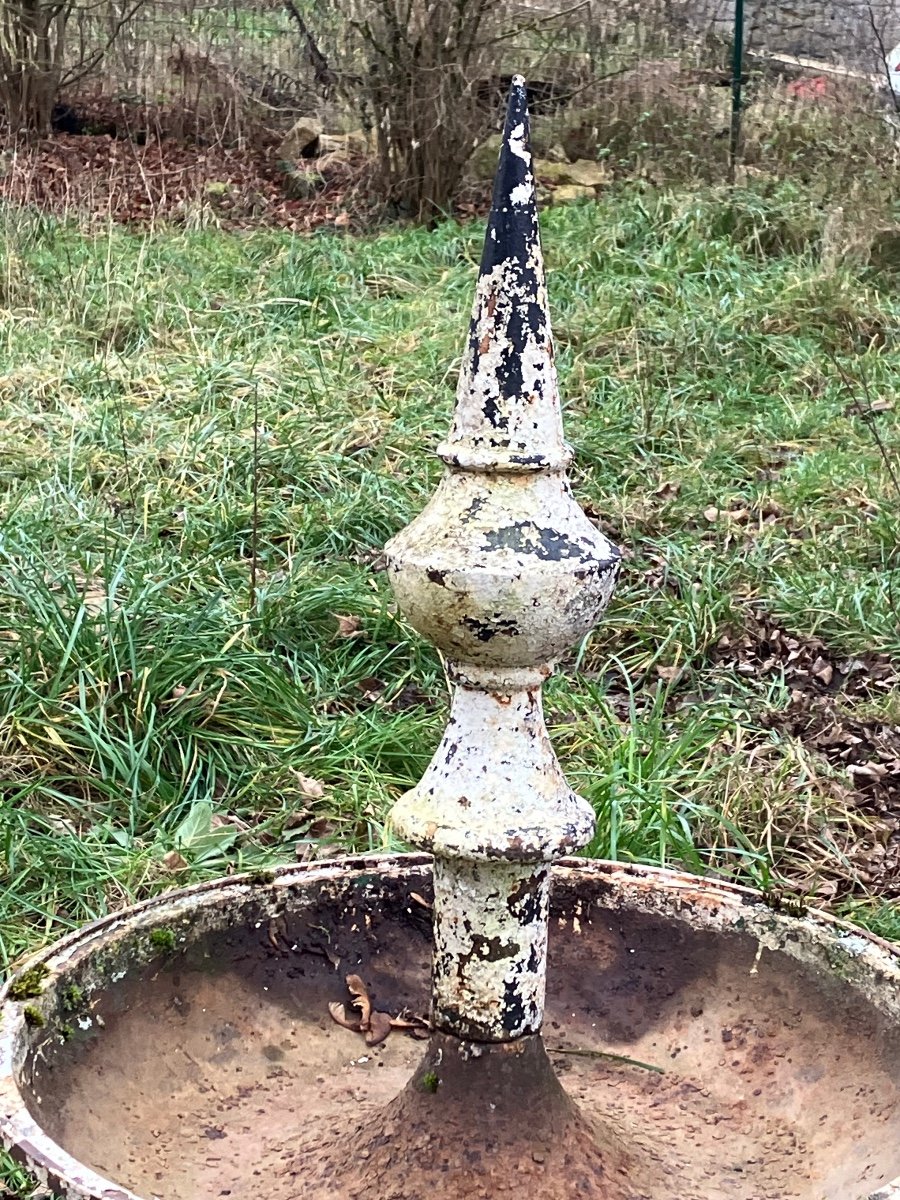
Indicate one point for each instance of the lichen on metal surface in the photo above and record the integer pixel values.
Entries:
(503, 572)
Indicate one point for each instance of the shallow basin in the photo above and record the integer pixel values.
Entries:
(184, 1049)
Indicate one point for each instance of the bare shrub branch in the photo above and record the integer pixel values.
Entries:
(33, 59)
(409, 67)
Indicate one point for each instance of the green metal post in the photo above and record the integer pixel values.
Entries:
(737, 74)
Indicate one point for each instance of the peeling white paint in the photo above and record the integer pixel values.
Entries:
(520, 194)
(490, 965)
(518, 144)
(525, 426)
(494, 789)
(503, 572)
(512, 556)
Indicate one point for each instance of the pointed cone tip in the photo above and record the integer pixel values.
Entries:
(513, 206)
(508, 409)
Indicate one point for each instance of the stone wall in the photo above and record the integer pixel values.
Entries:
(837, 31)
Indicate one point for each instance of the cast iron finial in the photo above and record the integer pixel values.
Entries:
(508, 411)
(503, 572)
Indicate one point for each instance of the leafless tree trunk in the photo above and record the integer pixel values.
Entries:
(423, 57)
(32, 36)
(33, 62)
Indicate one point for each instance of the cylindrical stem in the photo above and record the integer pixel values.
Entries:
(490, 948)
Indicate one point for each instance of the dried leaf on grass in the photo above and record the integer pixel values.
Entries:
(668, 490)
(839, 713)
(765, 649)
(173, 861)
(738, 516)
(313, 789)
(348, 625)
(857, 409)
(868, 750)
(372, 689)
(323, 827)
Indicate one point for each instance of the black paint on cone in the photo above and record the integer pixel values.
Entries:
(512, 242)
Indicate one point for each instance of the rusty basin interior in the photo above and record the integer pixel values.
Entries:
(185, 1050)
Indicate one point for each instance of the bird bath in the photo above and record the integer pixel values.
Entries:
(687, 1042)
(187, 1050)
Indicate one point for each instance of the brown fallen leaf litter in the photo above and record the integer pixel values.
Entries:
(764, 649)
(235, 187)
(374, 1025)
(160, 172)
(839, 708)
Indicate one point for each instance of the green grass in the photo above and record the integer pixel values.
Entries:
(16, 1183)
(168, 711)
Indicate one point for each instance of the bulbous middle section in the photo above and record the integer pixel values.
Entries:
(502, 570)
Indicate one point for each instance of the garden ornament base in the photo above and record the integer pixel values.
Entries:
(255, 1037)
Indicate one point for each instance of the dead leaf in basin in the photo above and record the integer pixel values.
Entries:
(339, 1014)
(417, 1027)
(380, 1026)
(376, 1026)
(277, 929)
(360, 994)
